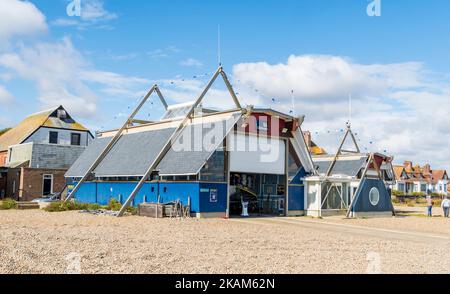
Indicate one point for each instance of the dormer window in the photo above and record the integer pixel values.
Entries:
(62, 114)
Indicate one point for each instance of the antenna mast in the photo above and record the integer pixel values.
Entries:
(349, 110)
(219, 57)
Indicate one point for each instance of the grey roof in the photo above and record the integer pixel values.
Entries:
(349, 167)
(130, 156)
(134, 153)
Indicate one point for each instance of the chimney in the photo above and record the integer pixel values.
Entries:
(308, 139)
(408, 165)
(427, 169)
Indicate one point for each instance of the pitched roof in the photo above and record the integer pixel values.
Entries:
(438, 175)
(134, 152)
(30, 124)
(398, 170)
(344, 166)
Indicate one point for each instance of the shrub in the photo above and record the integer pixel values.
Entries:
(133, 210)
(395, 200)
(9, 203)
(398, 193)
(56, 207)
(418, 194)
(421, 200)
(114, 205)
(70, 206)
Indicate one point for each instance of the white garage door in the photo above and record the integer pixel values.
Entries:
(252, 154)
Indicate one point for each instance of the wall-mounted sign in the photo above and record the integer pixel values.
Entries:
(213, 196)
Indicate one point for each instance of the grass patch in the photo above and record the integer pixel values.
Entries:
(8, 204)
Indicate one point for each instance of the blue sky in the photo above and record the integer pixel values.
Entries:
(395, 66)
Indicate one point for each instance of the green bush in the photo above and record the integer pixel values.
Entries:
(9, 203)
(418, 194)
(133, 210)
(56, 207)
(421, 200)
(398, 193)
(114, 205)
(70, 206)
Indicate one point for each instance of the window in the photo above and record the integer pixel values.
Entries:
(53, 138)
(214, 169)
(75, 139)
(423, 188)
(61, 113)
(374, 196)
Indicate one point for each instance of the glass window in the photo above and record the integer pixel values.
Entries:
(214, 169)
(294, 165)
(332, 196)
(423, 188)
(75, 139)
(374, 196)
(53, 137)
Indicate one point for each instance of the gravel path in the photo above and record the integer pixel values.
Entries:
(39, 242)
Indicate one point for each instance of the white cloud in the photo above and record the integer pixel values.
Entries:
(401, 108)
(63, 76)
(191, 62)
(20, 18)
(5, 96)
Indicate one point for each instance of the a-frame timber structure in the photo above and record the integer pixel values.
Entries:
(168, 144)
(351, 181)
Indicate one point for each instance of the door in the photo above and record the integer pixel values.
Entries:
(47, 185)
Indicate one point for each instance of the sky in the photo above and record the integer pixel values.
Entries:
(302, 57)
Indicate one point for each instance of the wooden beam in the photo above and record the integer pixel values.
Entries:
(111, 143)
(168, 144)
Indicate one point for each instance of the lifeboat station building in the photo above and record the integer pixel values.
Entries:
(213, 161)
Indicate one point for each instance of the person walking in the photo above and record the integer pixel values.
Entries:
(446, 206)
(430, 205)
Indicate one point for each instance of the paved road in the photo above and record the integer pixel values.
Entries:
(328, 226)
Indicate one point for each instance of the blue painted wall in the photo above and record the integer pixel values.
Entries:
(172, 191)
(296, 198)
(87, 193)
(296, 191)
(213, 197)
(199, 193)
(362, 203)
(120, 192)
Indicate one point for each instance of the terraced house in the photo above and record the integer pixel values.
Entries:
(420, 179)
(36, 153)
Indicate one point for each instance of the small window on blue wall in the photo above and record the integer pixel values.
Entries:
(165, 189)
(153, 189)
